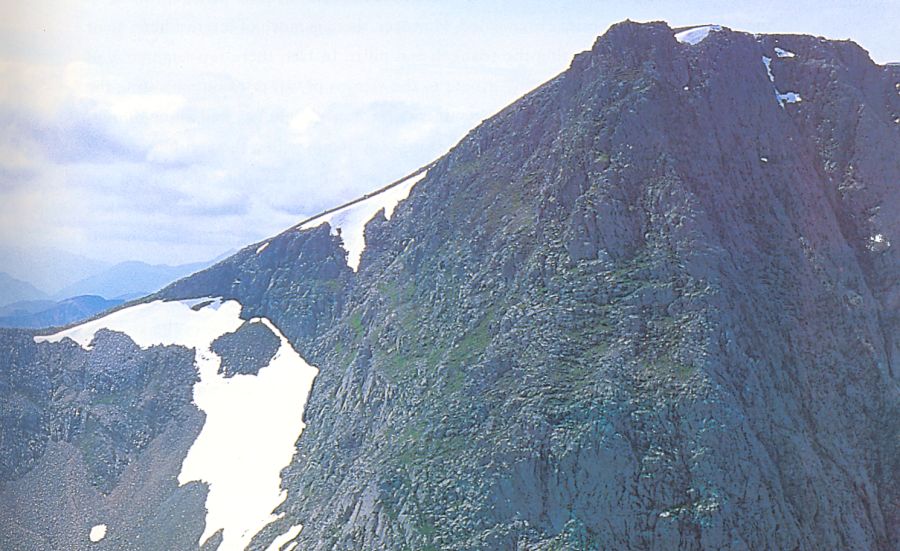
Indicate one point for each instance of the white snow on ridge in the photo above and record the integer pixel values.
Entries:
(696, 35)
(262, 247)
(252, 421)
(161, 322)
(350, 221)
(98, 532)
(784, 53)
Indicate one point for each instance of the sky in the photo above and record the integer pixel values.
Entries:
(173, 131)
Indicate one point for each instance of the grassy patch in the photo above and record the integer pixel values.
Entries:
(355, 322)
(473, 343)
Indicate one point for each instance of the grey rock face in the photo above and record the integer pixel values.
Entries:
(246, 350)
(96, 437)
(647, 306)
(604, 321)
(111, 401)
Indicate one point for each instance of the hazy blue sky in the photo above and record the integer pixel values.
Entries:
(170, 131)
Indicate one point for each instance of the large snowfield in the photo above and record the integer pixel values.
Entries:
(252, 421)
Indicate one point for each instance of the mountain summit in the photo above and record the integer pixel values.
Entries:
(653, 304)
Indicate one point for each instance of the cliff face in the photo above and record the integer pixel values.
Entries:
(651, 305)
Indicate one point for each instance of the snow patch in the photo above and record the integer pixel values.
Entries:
(696, 35)
(252, 421)
(787, 97)
(98, 532)
(279, 542)
(262, 247)
(350, 222)
(878, 243)
(161, 323)
(767, 61)
(784, 53)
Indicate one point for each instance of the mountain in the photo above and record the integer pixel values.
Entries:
(48, 268)
(26, 307)
(38, 314)
(129, 279)
(64, 275)
(22, 305)
(15, 290)
(653, 304)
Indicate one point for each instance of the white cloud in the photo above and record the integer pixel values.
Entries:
(127, 126)
(15, 158)
(38, 88)
(130, 105)
(301, 125)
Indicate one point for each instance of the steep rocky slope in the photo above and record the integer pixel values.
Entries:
(651, 305)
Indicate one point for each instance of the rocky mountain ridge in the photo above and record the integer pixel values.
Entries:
(650, 305)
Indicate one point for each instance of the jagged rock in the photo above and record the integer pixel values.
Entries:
(246, 350)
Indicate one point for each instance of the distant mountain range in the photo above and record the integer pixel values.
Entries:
(15, 290)
(47, 313)
(59, 274)
(129, 280)
(48, 268)
(23, 304)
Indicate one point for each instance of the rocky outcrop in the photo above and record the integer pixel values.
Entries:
(630, 311)
(650, 305)
(246, 350)
(96, 437)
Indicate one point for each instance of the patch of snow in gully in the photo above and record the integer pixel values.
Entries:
(878, 243)
(350, 222)
(283, 539)
(252, 421)
(787, 97)
(696, 35)
(98, 532)
(767, 61)
(784, 53)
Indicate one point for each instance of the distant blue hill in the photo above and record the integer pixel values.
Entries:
(26, 307)
(16, 290)
(129, 280)
(64, 312)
